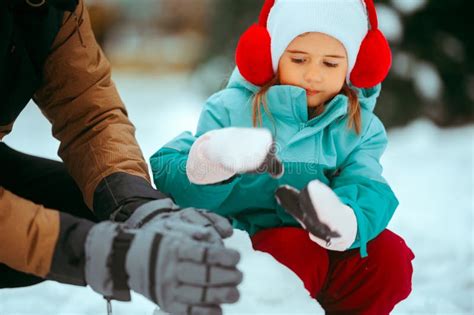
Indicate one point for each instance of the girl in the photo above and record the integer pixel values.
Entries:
(308, 75)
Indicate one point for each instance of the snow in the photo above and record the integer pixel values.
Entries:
(427, 80)
(409, 6)
(453, 47)
(402, 64)
(430, 169)
(389, 23)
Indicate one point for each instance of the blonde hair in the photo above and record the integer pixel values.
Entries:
(260, 100)
(354, 108)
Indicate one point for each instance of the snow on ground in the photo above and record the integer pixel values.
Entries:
(430, 170)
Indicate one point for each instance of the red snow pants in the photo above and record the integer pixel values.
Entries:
(343, 282)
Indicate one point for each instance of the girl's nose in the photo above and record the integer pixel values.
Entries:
(314, 74)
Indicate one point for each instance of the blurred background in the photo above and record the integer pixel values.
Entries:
(433, 48)
(169, 56)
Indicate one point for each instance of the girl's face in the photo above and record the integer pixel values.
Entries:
(317, 63)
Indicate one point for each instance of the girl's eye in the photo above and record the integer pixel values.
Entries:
(330, 64)
(298, 60)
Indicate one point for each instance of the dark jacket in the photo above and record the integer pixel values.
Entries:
(51, 55)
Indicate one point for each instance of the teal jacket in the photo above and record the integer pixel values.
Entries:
(322, 148)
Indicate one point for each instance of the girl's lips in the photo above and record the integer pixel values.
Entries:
(312, 92)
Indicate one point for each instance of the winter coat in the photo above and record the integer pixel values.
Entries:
(51, 55)
(322, 148)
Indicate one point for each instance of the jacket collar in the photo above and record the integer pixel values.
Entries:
(289, 103)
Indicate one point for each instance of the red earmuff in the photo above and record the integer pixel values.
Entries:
(253, 54)
(375, 58)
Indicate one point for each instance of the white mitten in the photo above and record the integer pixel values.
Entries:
(220, 154)
(332, 224)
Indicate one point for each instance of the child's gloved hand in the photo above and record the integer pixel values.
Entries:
(317, 208)
(222, 153)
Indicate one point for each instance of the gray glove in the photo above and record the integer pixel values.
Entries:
(164, 215)
(181, 275)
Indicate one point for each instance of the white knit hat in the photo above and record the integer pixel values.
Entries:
(345, 20)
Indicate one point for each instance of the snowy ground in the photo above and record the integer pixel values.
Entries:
(430, 169)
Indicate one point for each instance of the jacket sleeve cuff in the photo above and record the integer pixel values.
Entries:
(361, 236)
(69, 257)
(122, 190)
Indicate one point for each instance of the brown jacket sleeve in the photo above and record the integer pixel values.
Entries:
(42, 241)
(87, 114)
(28, 234)
(98, 148)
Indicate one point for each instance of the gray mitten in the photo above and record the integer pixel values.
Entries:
(164, 215)
(181, 275)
